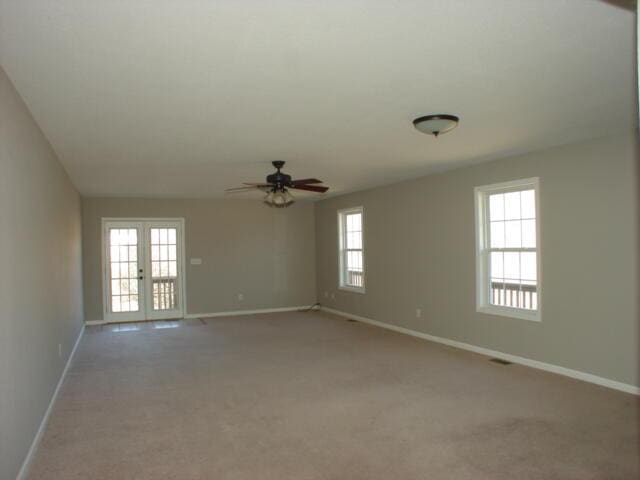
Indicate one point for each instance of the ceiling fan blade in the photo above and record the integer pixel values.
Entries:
(305, 181)
(258, 184)
(310, 188)
(241, 189)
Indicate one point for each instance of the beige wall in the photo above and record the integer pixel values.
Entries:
(41, 283)
(420, 253)
(246, 247)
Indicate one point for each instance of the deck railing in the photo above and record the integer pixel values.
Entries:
(355, 278)
(514, 295)
(164, 293)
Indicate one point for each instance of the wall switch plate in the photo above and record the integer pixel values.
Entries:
(60, 350)
(195, 261)
(418, 313)
(333, 295)
(241, 296)
(326, 294)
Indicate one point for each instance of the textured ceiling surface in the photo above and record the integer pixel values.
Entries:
(187, 98)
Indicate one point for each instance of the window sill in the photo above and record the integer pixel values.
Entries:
(351, 289)
(531, 315)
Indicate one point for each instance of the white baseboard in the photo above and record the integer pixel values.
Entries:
(587, 377)
(96, 322)
(214, 314)
(24, 470)
(244, 312)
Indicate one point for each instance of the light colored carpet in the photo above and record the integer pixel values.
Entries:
(309, 396)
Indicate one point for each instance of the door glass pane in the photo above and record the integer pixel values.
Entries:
(123, 269)
(164, 268)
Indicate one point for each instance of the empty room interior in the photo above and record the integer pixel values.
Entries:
(319, 240)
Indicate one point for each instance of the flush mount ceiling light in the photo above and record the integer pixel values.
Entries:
(436, 124)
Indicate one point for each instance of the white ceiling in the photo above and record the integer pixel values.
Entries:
(186, 98)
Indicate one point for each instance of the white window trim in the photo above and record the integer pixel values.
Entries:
(341, 284)
(482, 259)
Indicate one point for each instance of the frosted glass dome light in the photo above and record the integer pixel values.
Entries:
(436, 124)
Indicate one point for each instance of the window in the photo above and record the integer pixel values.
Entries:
(508, 260)
(351, 250)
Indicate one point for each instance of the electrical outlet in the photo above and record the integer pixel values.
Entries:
(418, 313)
(241, 296)
(333, 295)
(326, 294)
(60, 350)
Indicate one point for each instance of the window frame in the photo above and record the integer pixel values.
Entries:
(483, 304)
(342, 216)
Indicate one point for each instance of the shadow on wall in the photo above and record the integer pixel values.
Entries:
(626, 4)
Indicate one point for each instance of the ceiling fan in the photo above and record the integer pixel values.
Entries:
(277, 187)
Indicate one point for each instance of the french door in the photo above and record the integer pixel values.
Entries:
(143, 269)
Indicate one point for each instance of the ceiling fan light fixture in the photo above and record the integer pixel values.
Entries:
(279, 198)
(289, 197)
(276, 187)
(436, 124)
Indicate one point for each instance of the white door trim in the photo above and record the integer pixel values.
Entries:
(181, 254)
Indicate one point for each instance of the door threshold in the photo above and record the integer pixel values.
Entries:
(116, 322)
